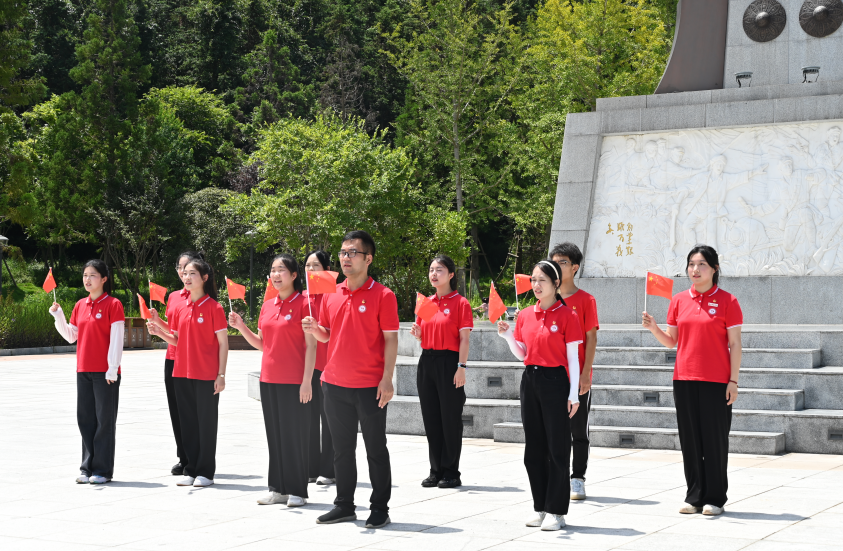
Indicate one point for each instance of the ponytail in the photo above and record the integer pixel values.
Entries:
(205, 269)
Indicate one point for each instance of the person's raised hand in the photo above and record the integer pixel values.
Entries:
(647, 320)
(309, 325)
(415, 331)
(503, 327)
(235, 320)
(54, 307)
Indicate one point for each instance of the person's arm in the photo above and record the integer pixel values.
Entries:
(305, 390)
(590, 351)
(235, 321)
(735, 353)
(156, 319)
(573, 353)
(309, 326)
(169, 338)
(459, 376)
(518, 349)
(666, 338)
(390, 354)
(115, 350)
(222, 339)
(69, 332)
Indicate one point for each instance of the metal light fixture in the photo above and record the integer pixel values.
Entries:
(744, 76)
(810, 70)
(3, 242)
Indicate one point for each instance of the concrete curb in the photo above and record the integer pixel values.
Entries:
(37, 350)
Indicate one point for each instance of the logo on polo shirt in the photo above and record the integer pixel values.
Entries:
(288, 317)
(362, 308)
(99, 314)
(712, 311)
(446, 311)
(200, 320)
(554, 328)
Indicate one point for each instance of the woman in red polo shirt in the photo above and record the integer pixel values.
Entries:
(285, 385)
(321, 458)
(704, 323)
(200, 335)
(97, 324)
(547, 338)
(441, 373)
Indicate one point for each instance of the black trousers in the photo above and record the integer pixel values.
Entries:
(96, 415)
(345, 407)
(287, 423)
(441, 408)
(579, 437)
(199, 418)
(174, 409)
(321, 456)
(547, 437)
(704, 422)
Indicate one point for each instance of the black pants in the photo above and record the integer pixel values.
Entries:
(579, 437)
(199, 418)
(547, 437)
(345, 407)
(174, 409)
(96, 415)
(704, 422)
(321, 456)
(287, 423)
(441, 408)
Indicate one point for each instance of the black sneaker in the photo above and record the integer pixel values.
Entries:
(378, 519)
(450, 483)
(431, 481)
(178, 469)
(336, 515)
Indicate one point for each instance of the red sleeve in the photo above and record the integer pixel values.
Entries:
(115, 312)
(167, 311)
(734, 314)
(324, 315)
(590, 316)
(573, 331)
(388, 314)
(466, 315)
(260, 315)
(220, 323)
(73, 315)
(671, 311)
(517, 332)
(173, 322)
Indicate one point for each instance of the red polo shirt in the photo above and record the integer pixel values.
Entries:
(198, 352)
(283, 340)
(321, 347)
(357, 321)
(174, 300)
(93, 319)
(702, 349)
(443, 331)
(585, 307)
(547, 334)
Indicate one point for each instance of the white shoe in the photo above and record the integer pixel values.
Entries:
(311, 480)
(186, 481)
(537, 521)
(688, 509)
(201, 482)
(296, 501)
(82, 479)
(577, 488)
(96, 479)
(712, 510)
(553, 522)
(324, 481)
(272, 499)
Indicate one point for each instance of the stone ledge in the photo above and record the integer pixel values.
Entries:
(37, 350)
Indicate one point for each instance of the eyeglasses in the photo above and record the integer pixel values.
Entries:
(563, 263)
(350, 253)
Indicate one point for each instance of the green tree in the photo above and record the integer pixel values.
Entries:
(15, 57)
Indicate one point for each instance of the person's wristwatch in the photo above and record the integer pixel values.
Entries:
(462, 365)
(221, 375)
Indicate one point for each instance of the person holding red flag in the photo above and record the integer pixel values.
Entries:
(704, 324)
(360, 324)
(97, 324)
(175, 300)
(200, 334)
(547, 338)
(289, 355)
(440, 376)
(569, 258)
(321, 469)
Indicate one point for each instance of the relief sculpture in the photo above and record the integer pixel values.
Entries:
(769, 199)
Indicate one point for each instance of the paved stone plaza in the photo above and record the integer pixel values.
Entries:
(792, 502)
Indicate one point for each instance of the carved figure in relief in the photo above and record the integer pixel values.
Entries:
(801, 217)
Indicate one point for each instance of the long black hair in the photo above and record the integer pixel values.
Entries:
(205, 269)
(323, 258)
(102, 268)
(190, 256)
(449, 265)
(711, 258)
(551, 270)
(291, 264)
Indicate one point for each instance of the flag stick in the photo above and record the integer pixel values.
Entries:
(54, 296)
(307, 283)
(515, 281)
(230, 307)
(645, 293)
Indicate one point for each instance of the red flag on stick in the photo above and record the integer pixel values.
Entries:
(49, 283)
(319, 283)
(271, 292)
(144, 311)
(522, 283)
(425, 308)
(659, 286)
(496, 305)
(235, 290)
(157, 292)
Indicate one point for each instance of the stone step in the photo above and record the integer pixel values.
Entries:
(789, 358)
(759, 443)
(662, 396)
(479, 416)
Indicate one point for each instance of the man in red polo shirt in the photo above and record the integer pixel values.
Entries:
(360, 324)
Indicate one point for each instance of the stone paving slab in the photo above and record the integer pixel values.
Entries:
(777, 503)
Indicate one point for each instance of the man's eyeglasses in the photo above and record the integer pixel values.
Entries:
(350, 253)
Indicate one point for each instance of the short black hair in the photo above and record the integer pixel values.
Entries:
(711, 258)
(364, 238)
(568, 249)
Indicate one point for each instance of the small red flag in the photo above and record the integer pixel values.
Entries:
(496, 305)
(425, 308)
(271, 292)
(157, 292)
(144, 311)
(235, 290)
(659, 286)
(49, 283)
(319, 283)
(522, 283)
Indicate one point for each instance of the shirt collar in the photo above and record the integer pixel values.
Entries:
(184, 293)
(695, 294)
(200, 302)
(365, 287)
(436, 298)
(556, 306)
(102, 297)
(278, 300)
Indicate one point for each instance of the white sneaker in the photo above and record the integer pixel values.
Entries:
(296, 501)
(553, 522)
(272, 499)
(186, 481)
(97, 479)
(537, 521)
(82, 479)
(712, 510)
(688, 509)
(577, 488)
(324, 481)
(201, 482)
